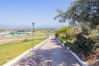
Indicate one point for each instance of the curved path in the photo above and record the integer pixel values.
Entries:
(49, 54)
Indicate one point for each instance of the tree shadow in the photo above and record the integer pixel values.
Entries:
(49, 58)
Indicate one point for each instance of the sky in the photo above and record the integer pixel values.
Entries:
(24, 12)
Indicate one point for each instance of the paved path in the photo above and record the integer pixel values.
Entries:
(49, 54)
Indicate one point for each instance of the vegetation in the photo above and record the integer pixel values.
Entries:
(79, 41)
(67, 34)
(85, 45)
(8, 51)
(83, 13)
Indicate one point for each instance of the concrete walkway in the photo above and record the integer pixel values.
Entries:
(49, 54)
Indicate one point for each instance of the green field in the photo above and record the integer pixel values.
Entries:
(8, 51)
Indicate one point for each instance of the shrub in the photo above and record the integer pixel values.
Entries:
(71, 33)
(75, 48)
(56, 34)
(85, 45)
(67, 33)
(67, 44)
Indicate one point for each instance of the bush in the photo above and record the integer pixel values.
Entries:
(56, 34)
(71, 33)
(67, 33)
(85, 45)
(67, 44)
(75, 49)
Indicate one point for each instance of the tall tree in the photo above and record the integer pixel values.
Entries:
(80, 12)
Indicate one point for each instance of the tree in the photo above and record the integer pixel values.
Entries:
(80, 12)
(86, 14)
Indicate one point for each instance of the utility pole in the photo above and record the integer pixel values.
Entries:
(33, 29)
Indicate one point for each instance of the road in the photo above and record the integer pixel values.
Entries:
(49, 54)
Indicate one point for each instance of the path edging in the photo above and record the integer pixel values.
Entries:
(18, 58)
(77, 58)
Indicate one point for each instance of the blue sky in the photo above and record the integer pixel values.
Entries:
(24, 12)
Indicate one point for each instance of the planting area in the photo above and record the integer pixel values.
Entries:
(9, 51)
(82, 42)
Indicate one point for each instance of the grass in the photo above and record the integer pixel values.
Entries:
(28, 36)
(8, 51)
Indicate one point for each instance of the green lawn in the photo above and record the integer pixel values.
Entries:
(8, 51)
